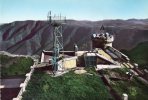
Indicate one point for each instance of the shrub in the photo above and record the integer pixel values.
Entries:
(15, 65)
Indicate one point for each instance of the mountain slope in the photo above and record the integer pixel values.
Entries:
(31, 37)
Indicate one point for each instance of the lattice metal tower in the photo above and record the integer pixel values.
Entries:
(56, 22)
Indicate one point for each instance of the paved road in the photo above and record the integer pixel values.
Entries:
(11, 83)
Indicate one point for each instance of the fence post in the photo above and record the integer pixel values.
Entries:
(125, 96)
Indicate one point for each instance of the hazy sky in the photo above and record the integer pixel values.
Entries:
(12, 10)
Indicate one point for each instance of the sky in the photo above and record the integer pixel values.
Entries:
(94, 10)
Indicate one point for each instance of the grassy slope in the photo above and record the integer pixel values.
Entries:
(15, 65)
(139, 54)
(135, 89)
(67, 87)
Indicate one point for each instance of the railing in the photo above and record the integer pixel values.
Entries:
(24, 85)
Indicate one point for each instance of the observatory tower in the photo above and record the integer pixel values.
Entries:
(102, 39)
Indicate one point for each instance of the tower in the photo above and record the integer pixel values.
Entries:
(102, 39)
(56, 22)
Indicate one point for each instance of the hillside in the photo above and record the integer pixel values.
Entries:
(31, 37)
(70, 86)
(139, 54)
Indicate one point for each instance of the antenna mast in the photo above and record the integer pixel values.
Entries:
(56, 22)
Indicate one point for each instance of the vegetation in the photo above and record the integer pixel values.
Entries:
(134, 88)
(120, 71)
(15, 65)
(70, 86)
(139, 54)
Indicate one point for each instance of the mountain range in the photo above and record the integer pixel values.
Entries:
(31, 37)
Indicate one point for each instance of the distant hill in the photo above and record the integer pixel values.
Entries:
(31, 37)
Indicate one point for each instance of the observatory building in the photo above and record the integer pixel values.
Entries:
(102, 55)
(102, 39)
